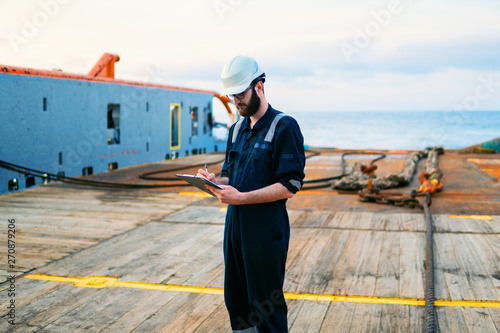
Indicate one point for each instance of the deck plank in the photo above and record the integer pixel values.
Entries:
(346, 266)
(388, 273)
(416, 318)
(391, 222)
(294, 307)
(365, 221)
(478, 278)
(43, 311)
(296, 217)
(183, 314)
(412, 222)
(197, 214)
(310, 317)
(450, 319)
(139, 312)
(450, 268)
(484, 265)
(97, 312)
(339, 317)
(494, 242)
(369, 318)
(216, 322)
(387, 315)
(377, 221)
(495, 224)
(364, 280)
(347, 220)
(128, 250)
(49, 241)
(306, 269)
(495, 317)
(411, 264)
(441, 290)
(478, 320)
(313, 219)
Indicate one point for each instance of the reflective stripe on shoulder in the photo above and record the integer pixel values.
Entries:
(272, 128)
(236, 129)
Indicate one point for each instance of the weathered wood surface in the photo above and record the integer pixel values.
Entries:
(165, 238)
(54, 221)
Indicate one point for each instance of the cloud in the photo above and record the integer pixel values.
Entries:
(471, 53)
(427, 46)
(324, 60)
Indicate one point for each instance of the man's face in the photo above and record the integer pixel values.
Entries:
(249, 104)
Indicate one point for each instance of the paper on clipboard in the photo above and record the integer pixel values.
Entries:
(199, 182)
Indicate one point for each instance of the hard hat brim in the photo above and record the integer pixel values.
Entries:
(235, 90)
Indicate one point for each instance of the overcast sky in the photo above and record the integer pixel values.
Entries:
(318, 55)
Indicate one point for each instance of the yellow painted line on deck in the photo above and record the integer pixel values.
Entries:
(100, 282)
(106, 281)
(473, 217)
(195, 194)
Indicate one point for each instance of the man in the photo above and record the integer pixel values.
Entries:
(264, 166)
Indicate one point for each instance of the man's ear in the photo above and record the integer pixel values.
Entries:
(260, 86)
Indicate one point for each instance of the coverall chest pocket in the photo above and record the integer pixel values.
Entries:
(262, 155)
(263, 166)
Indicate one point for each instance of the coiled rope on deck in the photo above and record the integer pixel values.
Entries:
(328, 181)
(358, 180)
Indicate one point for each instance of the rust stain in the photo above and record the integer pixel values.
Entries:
(491, 165)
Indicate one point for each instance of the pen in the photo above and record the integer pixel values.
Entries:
(206, 170)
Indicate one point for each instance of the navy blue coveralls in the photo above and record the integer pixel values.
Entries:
(256, 236)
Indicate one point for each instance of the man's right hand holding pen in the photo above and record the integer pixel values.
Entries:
(228, 194)
(205, 174)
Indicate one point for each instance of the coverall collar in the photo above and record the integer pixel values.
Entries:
(261, 122)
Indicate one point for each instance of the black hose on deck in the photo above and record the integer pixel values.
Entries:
(430, 312)
(79, 181)
(326, 182)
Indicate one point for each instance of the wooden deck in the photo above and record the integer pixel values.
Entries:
(165, 237)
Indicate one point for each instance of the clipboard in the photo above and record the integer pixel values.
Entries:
(199, 182)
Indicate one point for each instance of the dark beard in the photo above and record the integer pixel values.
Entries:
(252, 107)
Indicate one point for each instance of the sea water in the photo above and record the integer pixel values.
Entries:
(398, 130)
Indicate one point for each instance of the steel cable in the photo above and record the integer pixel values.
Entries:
(430, 312)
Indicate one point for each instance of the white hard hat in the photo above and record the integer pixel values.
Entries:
(238, 73)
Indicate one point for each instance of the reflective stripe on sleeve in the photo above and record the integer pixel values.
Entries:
(296, 184)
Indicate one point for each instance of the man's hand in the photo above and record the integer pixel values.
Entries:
(209, 176)
(228, 195)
